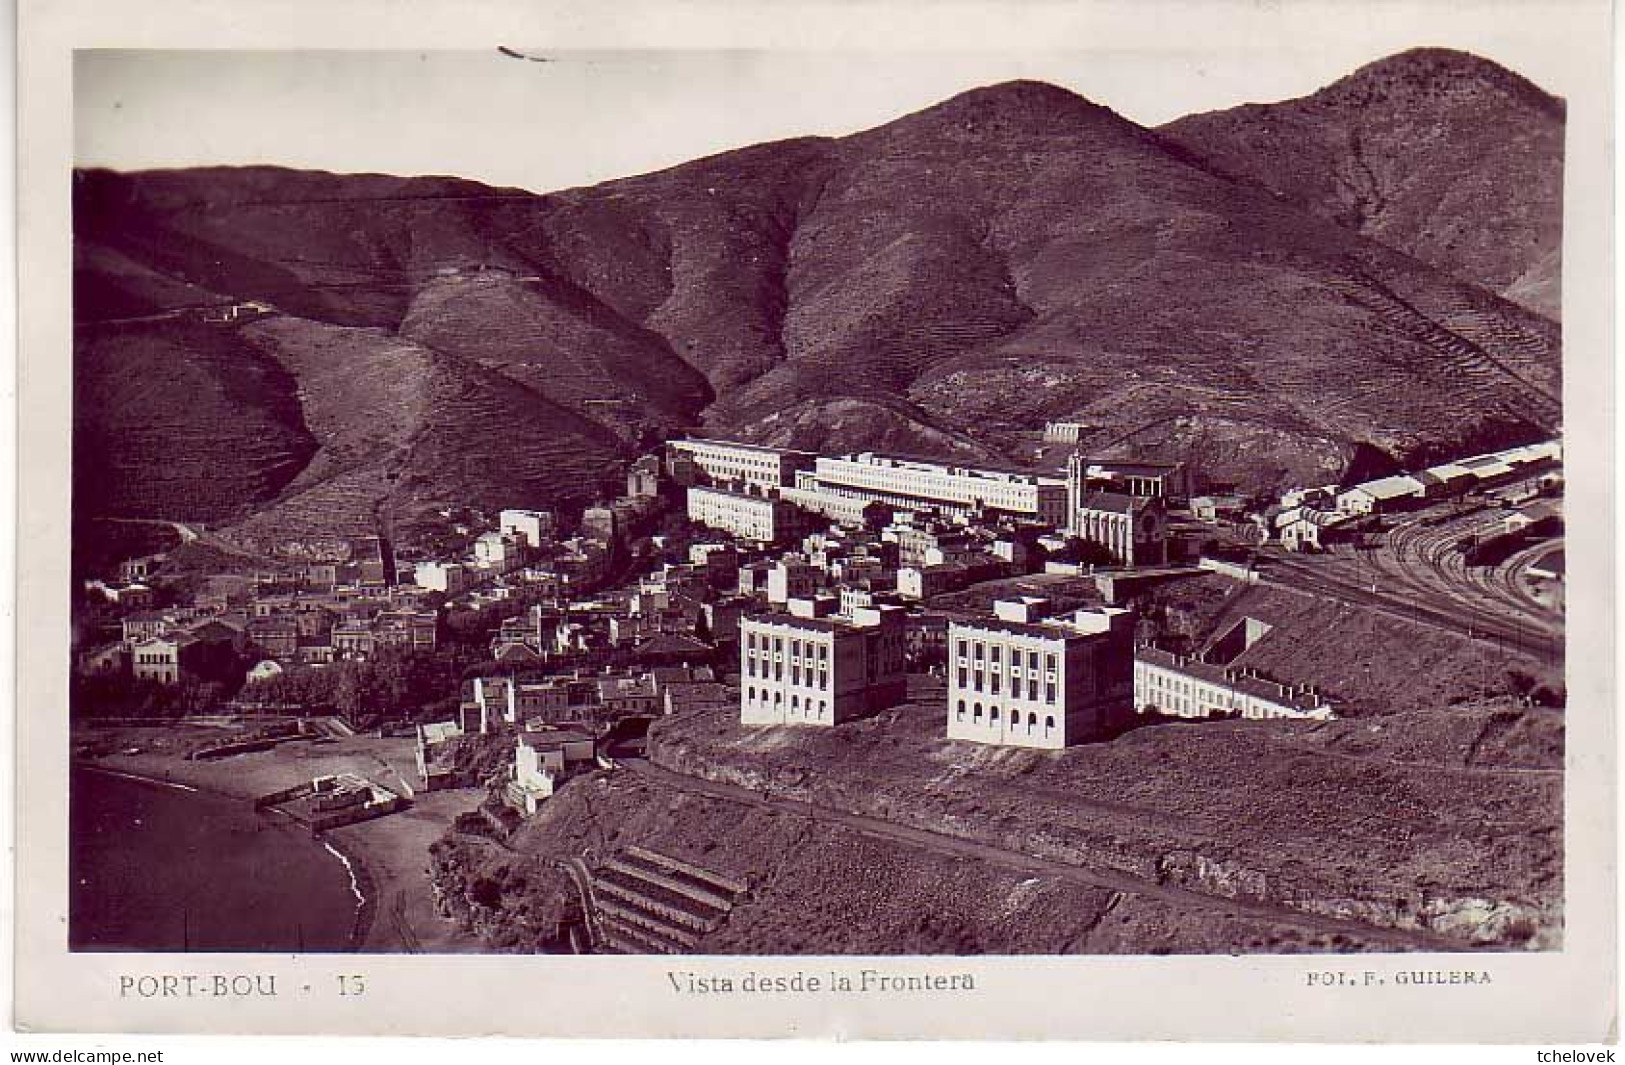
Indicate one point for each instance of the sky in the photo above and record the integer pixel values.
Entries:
(588, 116)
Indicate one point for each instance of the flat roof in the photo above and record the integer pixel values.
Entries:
(1135, 467)
(1390, 487)
(959, 465)
(1052, 631)
(549, 736)
(713, 442)
(1280, 694)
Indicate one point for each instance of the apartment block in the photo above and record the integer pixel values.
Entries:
(448, 577)
(909, 482)
(758, 518)
(809, 667)
(724, 462)
(1025, 679)
(534, 526)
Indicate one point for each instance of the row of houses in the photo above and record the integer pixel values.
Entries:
(490, 702)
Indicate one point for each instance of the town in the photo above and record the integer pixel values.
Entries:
(799, 590)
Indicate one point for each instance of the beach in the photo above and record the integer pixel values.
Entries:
(388, 856)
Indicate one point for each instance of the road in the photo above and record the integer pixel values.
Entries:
(191, 535)
(184, 531)
(1111, 879)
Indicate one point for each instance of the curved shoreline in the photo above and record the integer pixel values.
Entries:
(362, 882)
(364, 887)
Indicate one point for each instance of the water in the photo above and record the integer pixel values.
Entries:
(161, 868)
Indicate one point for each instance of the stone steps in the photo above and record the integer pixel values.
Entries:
(649, 903)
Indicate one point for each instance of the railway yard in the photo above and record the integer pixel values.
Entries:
(1420, 566)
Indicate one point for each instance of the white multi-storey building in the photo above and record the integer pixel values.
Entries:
(723, 462)
(906, 482)
(847, 510)
(750, 517)
(499, 551)
(1022, 679)
(533, 525)
(448, 577)
(803, 669)
(793, 577)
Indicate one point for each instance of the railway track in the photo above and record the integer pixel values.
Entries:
(1472, 624)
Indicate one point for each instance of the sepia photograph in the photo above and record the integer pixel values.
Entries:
(894, 503)
(1009, 528)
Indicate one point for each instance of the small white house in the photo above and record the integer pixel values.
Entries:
(532, 780)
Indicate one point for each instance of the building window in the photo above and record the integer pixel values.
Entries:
(1032, 721)
(976, 712)
(960, 713)
(993, 715)
(1049, 723)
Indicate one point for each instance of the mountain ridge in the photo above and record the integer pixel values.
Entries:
(942, 283)
(1440, 154)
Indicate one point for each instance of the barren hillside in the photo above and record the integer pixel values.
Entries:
(1439, 154)
(939, 284)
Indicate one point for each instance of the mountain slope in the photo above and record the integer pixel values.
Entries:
(1440, 154)
(941, 284)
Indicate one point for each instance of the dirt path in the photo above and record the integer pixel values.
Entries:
(954, 846)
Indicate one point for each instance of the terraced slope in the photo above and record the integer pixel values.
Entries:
(404, 430)
(181, 421)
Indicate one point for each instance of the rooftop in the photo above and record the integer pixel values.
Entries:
(760, 448)
(1390, 487)
(1113, 502)
(1050, 630)
(1259, 687)
(1132, 469)
(876, 458)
